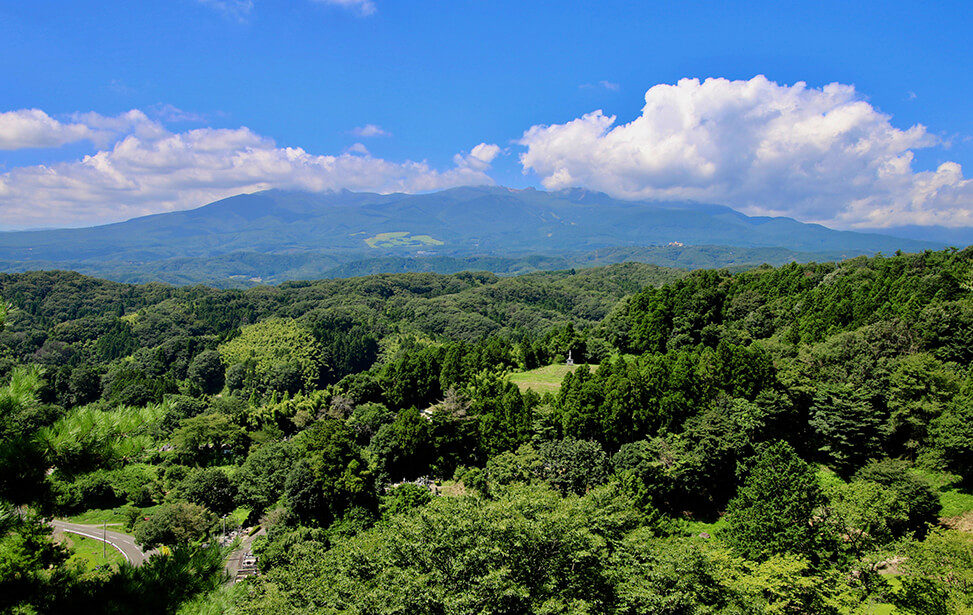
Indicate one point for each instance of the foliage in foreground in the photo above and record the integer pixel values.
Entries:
(805, 405)
(529, 550)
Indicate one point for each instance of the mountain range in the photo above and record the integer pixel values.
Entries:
(276, 235)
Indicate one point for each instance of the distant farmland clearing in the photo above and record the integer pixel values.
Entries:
(544, 379)
(401, 239)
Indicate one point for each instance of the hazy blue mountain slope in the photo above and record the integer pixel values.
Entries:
(314, 233)
(956, 237)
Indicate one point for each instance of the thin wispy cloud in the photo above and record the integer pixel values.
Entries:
(172, 113)
(118, 87)
(237, 10)
(362, 7)
(607, 85)
(370, 130)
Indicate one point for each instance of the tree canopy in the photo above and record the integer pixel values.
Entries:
(761, 441)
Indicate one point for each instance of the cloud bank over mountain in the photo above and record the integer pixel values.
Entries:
(149, 169)
(819, 155)
(816, 154)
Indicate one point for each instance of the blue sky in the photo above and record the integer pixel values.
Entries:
(851, 114)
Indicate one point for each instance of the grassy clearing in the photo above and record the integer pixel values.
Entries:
(544, 379)
(453, 488)
(955, 502)
(940, 481)
(99, 515)
(111, 516)
(695, 528)
(884, 608)
(93, 553)
(401, 239)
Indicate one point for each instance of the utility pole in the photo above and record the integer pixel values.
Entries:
(104, 541)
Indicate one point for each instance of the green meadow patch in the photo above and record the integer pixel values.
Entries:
(111, 516)
(544, 379)
(955, 502)
(93, 553)
(401, 239)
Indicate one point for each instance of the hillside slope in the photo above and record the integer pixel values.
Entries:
(307, 235)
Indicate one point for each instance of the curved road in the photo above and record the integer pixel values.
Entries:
(121, 542)
(125, 544)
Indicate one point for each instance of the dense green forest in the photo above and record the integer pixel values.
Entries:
(796, 439)
(248, 269)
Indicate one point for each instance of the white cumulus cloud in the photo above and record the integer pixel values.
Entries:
(152, 170)
(822, 155)
(32, 128)
(479, 158)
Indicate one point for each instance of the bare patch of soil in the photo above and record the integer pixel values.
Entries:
(963, 523)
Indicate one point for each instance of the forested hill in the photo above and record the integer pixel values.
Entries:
(276, 235)
(780, 440)
(66, 319)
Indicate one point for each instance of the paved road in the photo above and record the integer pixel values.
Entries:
(241, 561)
(122, 542)
(125, 544)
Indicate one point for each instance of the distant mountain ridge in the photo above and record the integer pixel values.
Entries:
(339, 228)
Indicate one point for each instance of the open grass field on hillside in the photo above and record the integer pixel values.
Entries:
(956, 502)
(544, 379)
(401, 239)
(111, 516)
(93, 553)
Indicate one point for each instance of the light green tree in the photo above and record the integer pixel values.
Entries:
(274, 347)
(938, 577)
